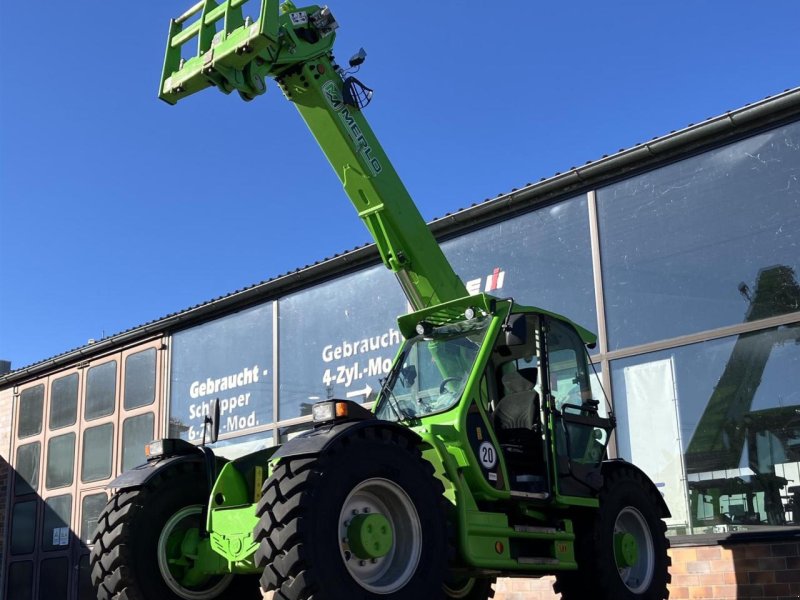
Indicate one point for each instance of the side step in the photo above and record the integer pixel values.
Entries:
(531, 529)
(489, 541)
(530, 560)
(530, 495)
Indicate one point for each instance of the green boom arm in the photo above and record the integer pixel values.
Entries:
(294, 46)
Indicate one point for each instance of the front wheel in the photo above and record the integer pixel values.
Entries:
(622, 551)
(141, 540)
(364, 520)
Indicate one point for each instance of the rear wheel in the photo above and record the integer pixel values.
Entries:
(364, 520)
(622, 551)
(141, 540)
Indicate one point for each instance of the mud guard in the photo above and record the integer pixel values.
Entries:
(139, 476)
(317, 441)
(610, 465)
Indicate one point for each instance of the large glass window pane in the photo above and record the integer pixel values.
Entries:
(717, 427)
(27, 468)
(338, 339)
(101, 390)
(64, 401)
(140, 379)
(23, 527)
(20, 580)
(542, 258)
(706, 242)
(60, 461)
(56, 531)
(233, 448)
(98, 445)
(136, 433)
(54, 578)
(230, 359)
(31, 409)
(91, 507)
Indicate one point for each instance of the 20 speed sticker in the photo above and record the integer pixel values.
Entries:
(487, 455)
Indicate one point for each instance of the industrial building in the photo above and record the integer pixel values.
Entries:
(682, 253)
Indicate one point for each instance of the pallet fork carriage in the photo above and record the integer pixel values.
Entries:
(485, 454)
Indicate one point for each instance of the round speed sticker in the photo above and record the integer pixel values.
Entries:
(487, 455)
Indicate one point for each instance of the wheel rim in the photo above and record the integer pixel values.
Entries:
(633, 550)
(390, 568)
(175, 563)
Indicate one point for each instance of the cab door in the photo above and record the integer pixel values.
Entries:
(579, 428)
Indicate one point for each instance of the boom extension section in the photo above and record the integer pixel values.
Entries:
(294, 46)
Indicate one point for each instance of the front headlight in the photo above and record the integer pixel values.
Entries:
(323, 411)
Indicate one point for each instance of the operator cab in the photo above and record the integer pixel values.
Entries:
(533, 385)
(547, 388)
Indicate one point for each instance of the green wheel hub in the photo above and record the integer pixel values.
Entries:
(179, 561)
(634, 550)
(370, 536)
(626, 550)
(380, 536)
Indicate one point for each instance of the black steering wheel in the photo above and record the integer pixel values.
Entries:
(445, 381)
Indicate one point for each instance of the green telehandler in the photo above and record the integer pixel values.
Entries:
(484, 455)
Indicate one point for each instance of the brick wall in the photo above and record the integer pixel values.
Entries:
(741, 571)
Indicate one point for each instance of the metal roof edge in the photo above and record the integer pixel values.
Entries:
(643, 156)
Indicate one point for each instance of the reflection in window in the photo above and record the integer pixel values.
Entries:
(26, 468)
(56, 532)
(137, 432)
(229, 358)
(64, 401)
(91, 507)
(31, 408)
(344, 350)
(101, 390)
(233, 448)
(23, 527)
(60, 461)
(20, 580)
(140, 379)
(541, 258)
(97, 452)
(703, 243)
(727, 415)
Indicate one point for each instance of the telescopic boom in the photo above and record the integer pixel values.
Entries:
(294, 47)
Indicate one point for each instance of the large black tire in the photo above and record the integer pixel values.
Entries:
(125, 559)
(304, 522)
(629, 504)
(472, 588)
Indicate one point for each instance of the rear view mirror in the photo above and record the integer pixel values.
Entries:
(211, 423)
(516, 330)
(408, 375)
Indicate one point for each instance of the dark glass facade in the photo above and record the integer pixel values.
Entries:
(690, 272)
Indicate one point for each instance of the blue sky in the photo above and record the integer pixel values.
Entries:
(117, 209)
